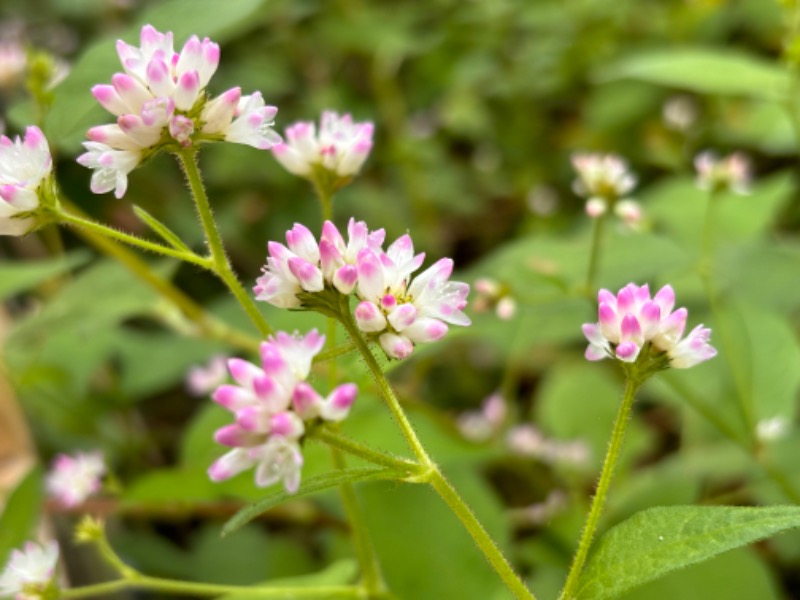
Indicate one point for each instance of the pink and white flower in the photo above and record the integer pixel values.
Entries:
(632, 321)
(341, 146)
(29, 574)
(603, 179)
(160, 99)
(480, 425)
(72, 479)
(25, 168)
(202, 380)
(729, 173)
(271, 404)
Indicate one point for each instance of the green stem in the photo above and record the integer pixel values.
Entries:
(209, 589)
(481, 537)
(219, 259)
(132, 240)
(370, 567)
(386, 391)
(206, 323)
(594, 256)
(593, 518)
(332, 438)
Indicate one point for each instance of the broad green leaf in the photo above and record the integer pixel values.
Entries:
(75, 109)
(740, 574)
(704, 70)
(21, 513)
(20, 276)
(659, 540)
(311, 485)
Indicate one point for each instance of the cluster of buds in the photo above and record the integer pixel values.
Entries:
(493, 295)
(72, 479)
(25, 180)
(330, 156)
(30, 573)
(720, 174)
(526, 440)
(393, 308)
(605, 181)
(480, 425)
(160, 100)
(271, 405)
(633, 325)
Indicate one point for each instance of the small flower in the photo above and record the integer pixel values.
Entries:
(602, 180)
(768, 430)
(25, 169)
(492, 294)
(271, 405)
(480, 425)
(340, 147)
(12, 63)
(631, 322)
(527, 440)
(679, 113)
(72, 479)
(160, 101)
(30, 573)
(540, 512)
(202, 380)
(729, 173)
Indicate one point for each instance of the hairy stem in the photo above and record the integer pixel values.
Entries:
(219, 259)
(598, 501)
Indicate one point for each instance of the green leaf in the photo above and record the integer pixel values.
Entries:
(17, 277)
(21, 513)
(704, 70)
(309, 486)
(660, 540)
(162, 230)
(75, 109)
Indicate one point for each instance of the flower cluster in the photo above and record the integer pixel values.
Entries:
(729, 173)
(480, 425)
(30, 573)
(632, 321)
(72, 479)
(396, 309)
(340, 147)
(527, 440)
(25, 168)
(159, 100)
(605, 181)
(271, 404)
(494, 295)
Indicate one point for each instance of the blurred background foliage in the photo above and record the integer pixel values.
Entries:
(478, 106)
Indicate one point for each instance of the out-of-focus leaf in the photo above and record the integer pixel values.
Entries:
(341, 572)
(18, 277)
(659, 540)
(21, 513)
(704, 70)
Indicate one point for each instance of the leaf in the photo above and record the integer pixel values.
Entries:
(704, 70)
(75, 109)
(21, 513)
(17, 277)
(166, 234)
(309, 486)
(659, 540)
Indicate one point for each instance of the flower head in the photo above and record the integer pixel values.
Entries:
(632, 322)
(25, 168)
(603, 179)
(72, 479)
(202, 380)
(394, 308)
(29, 574)
(340, 147)
(492, 294)
(271, 404)
(160, 101)
(729, 173)
(479, 425)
